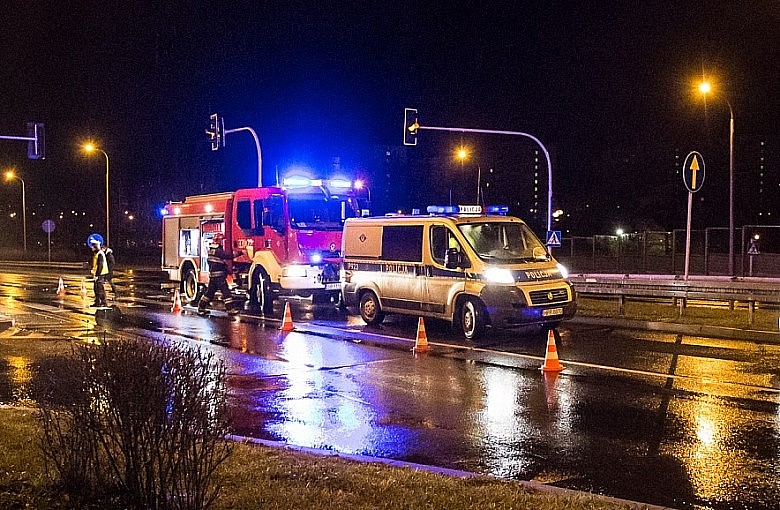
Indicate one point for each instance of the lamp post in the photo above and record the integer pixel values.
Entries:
(10, 175)
(705, 87)
(361, 184)
(462, 154)
(90, 147)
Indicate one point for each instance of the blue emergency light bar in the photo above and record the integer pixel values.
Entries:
(298, 181)
(500, 210)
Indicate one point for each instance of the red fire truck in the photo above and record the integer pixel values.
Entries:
(289, 237)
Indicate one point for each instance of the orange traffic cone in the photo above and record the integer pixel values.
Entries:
(83, 291)
(61, 287)
(287, 323)
(551, 363)
(176, 308)
(421, 343)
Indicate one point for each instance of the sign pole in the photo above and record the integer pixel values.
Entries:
(48, 226)
(688, 235)
(693, 178)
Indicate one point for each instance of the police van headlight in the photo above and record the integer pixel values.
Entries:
(563, 270)
(294, 271)
(499, 275)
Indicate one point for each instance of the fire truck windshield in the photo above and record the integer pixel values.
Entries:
(318, 212)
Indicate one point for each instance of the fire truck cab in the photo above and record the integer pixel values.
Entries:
(288, 239)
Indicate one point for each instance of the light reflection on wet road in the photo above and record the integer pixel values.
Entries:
(659, 418)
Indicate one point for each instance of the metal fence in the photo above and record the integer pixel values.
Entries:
(757, 252)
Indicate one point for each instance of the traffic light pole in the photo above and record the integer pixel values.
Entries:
(259, 154)
(511, 133)
(35, 146)
(217, 134)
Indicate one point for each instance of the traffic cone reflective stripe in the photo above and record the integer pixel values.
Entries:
(287, 323)
(550, 391)
(176, 308)
(83, 290)
(551, 363)
(421, 343)
(61, 287)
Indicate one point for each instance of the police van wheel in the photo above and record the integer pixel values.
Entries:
(472, 319)
(369, 309)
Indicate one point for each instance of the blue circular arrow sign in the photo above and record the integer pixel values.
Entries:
(94, 237)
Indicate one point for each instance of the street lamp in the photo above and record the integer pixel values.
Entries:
(705, 87)
(361, 184)
(10, 175)
(462, 154)
(89, 148)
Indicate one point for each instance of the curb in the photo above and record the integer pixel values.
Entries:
(444, 472)
(6, 322)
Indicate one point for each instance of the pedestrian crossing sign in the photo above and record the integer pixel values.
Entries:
(554, 238)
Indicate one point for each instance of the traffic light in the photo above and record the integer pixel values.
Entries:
(410, 126)
(216, 131)
(36, 148)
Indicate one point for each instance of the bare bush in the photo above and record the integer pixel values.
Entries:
(144, 425)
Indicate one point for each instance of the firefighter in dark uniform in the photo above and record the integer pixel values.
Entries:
(218, 259)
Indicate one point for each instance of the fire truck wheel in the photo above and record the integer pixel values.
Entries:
(190, 287)
(260, 295)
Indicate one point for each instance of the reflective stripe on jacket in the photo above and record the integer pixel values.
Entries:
(217, 259)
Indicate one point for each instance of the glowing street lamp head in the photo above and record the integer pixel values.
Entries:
(705, 87)
(462, 153)
(9, 174)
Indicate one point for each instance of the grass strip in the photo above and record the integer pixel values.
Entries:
(764, 319)
(263, 477)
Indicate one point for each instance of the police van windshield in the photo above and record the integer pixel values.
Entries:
(319, 212)
(504, 242)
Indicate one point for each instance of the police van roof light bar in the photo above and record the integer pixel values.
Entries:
(501, 210)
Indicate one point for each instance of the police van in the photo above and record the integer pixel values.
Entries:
(475, 268)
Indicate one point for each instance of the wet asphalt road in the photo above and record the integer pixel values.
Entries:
(658, 418)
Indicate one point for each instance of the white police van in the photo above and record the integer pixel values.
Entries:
(474, 268)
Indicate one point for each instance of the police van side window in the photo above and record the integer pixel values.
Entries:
(402, 242)
(442, 239)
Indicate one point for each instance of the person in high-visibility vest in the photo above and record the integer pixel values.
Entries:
(99, 272)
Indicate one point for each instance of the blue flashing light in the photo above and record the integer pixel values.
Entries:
(296, 181)
(501, 210)
(443, 209)
(340, 183)
(315, 258)
(163, 211)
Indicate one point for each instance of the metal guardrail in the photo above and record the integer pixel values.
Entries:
(53, 265)
(678, 290)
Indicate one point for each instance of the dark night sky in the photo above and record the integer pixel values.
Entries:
(324, 79)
